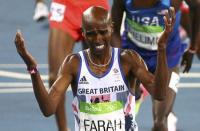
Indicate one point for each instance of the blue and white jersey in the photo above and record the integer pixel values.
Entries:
(143, 27)
(103, 103)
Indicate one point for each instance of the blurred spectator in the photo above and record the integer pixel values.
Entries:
(41, 11)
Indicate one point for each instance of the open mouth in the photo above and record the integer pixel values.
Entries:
(100, 47)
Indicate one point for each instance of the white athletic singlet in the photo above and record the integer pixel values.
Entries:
(103, 103)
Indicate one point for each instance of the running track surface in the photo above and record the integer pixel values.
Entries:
(18, 108)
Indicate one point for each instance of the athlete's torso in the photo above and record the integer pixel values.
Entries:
(103, 103)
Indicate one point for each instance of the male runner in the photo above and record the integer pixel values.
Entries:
(65, 31)
(143, 26)
(102, 78)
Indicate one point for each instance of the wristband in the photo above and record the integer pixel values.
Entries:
(32, 70)
(192, 51)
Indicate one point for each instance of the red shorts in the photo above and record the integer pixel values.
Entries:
(67, 14)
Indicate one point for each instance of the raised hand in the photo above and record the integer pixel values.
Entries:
(169, 20)
(23, 52)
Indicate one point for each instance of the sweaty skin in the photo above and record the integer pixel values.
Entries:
(97, 32)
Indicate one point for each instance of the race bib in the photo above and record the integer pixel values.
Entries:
(57, 12)
(144, 36)
(108, 116)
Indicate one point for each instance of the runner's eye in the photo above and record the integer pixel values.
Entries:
(91, 33)
(95, 32)
(103, 32)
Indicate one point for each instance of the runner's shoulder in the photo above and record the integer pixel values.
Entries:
(71, 62)
(129, 55)
(72, 58)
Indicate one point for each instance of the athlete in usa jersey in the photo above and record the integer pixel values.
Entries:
(143, 28)
(143, 24)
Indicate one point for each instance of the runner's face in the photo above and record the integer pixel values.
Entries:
(97, 35)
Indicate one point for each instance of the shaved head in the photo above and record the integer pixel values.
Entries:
(97, 29)
(95, 14)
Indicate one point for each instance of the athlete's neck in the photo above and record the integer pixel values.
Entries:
(100, 61)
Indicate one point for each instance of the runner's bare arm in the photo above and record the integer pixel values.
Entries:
(194, 6)
(117, 16)
(47, 101)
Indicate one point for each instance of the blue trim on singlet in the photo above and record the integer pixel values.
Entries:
(107, 71)
(121, 70)
(174, 48)
(79, 70)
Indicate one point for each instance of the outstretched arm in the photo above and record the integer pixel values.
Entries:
(47, 101)
(161, 73)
